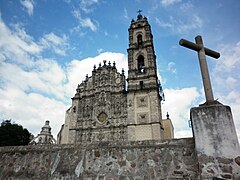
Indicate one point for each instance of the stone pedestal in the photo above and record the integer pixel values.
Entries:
(216, 142)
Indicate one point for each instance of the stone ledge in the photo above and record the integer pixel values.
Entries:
(131, 144)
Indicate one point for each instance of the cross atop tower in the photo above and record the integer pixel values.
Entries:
(139, 16)
(139, 12)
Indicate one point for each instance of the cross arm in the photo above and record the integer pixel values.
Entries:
(196, 47)
(212, 53)
(189, 44)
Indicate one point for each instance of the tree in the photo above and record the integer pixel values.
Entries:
(12, 134)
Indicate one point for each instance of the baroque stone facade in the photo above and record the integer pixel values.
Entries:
(99, 107)
(104, 109)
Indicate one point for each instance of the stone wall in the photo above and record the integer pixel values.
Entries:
(163, 159)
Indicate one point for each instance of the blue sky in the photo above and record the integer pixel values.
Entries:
(47, 47)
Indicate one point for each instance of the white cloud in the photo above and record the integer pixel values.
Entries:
(106, 33)
(31, 110)
(125, 14)
(56, 43)
(186, 6)
(84, 22)
(226, 79)
(230, 57)
(87, 22)
(113, 36)
(178, 103)
(169, 2)
(179, 26)
(100, 50)
(29, 5)
(31, 88)
(227, 68)
(54, 39)
(172, 67)
(164, 24)
(16, 45)
(87, 5)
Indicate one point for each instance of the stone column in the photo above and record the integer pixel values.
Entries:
(216, 142)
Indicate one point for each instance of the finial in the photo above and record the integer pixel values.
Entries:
(114, 64)
(109, 63)
(78, 89)
(139, 17)
(167, 115)
(94, 67)
(139, 12)
(123, 71)
(104, 62)
(100, 65)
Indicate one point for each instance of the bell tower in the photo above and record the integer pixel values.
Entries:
(144, 100)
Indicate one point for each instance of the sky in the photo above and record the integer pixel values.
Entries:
(47, 47)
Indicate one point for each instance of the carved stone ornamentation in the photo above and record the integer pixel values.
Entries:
(100, 101)
(102, 117)
(142, 118)
(142, 101)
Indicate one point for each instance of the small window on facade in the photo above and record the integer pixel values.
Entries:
(141, 67)
(139, 39)
(141, 84)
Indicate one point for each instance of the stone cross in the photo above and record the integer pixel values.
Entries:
(139, 11)
(202, 51)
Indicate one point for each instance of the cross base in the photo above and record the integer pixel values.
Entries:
(210, 103)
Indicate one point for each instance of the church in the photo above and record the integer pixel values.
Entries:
(108, 106)
(114, 130)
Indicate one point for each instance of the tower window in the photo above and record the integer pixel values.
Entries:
(141, 67)
(139, 39)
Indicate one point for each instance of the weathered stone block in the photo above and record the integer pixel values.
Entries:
(214, 131)
(216, 142)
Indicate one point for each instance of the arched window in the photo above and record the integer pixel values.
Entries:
(141, 66)
(139, 39)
